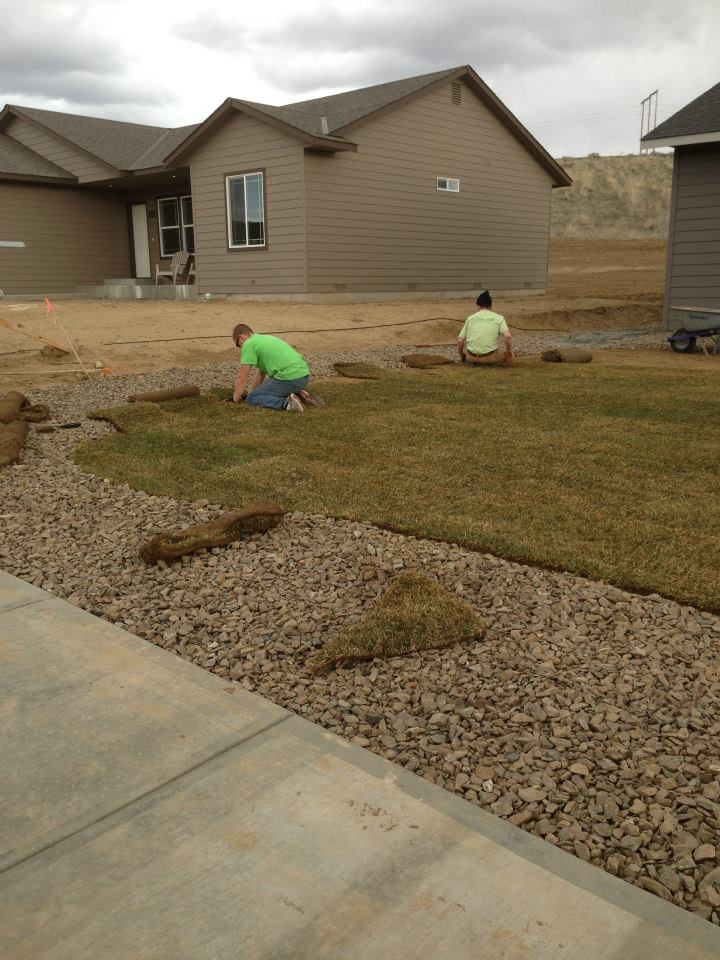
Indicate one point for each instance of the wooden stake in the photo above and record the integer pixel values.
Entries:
(33, 336)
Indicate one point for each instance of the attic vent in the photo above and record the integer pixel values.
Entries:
(456, 94)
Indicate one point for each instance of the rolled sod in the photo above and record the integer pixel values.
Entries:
(258, 517)
(567, 355)
(12, 440)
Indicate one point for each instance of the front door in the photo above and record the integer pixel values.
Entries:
(141, 244)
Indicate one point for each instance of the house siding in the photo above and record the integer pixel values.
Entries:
(58, 151)
(243, 144)
(71, 237)
(377, 223)
(694, 241)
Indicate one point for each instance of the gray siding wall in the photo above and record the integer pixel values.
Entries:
(376, 221)
(240, 145)
(693, 271)
(71, 237)
(55, 149)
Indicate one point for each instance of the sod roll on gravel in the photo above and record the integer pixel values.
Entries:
(16, 406)
(415, 613)
(12, 440)
(257, 518)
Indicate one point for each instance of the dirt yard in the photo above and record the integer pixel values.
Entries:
(594, 285)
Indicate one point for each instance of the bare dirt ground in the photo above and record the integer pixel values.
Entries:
(594, 285)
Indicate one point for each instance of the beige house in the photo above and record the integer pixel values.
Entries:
(421, 186)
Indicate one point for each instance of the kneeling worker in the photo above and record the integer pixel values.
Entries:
(281, 374)
(478, 339)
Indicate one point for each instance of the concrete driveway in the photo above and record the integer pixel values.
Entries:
(152, 811)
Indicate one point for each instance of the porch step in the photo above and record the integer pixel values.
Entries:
(129, 289)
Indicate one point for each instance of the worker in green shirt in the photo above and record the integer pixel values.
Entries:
(281, 375)
(478, 339)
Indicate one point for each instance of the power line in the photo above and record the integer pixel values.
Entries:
(600, 117)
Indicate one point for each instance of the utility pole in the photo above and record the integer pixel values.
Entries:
(648, 118)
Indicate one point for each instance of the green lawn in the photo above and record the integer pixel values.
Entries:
(611, 473)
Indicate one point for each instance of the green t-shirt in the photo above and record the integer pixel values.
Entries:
(481, 331)
(273, 357)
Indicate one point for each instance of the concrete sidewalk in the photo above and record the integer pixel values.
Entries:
(151, 810)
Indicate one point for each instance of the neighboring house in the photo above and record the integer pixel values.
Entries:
(693, 263)
(420, 186)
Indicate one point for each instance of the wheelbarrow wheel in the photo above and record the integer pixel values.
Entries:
(683, 342)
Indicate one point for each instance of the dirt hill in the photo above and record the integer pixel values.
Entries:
(625, 197)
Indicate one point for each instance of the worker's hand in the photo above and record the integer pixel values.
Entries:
(508, 358)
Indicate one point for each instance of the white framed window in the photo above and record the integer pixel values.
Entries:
(175, 224)
(448, 183)
(188, 227)
(245, 198)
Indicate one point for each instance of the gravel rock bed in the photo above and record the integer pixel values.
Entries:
(585, 715)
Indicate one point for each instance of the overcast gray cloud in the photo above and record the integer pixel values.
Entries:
(329, 44)
(574, 71)
(60, 52)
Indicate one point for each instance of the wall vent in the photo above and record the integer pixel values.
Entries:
(456, 91)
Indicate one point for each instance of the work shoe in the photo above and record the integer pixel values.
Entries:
(293, 404)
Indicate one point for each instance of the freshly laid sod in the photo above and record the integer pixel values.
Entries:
(608, 472)
(415, 613)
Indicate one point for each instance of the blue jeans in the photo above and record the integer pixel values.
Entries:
(274, 393)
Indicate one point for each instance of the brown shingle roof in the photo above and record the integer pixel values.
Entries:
(155, 155)
(700, 116)
(118, 143)
(342, 109)
(17, 159)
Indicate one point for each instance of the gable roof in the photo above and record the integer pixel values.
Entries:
(343, 111)
(19, 160)
(699, 120)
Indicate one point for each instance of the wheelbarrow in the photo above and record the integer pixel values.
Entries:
(695, 324)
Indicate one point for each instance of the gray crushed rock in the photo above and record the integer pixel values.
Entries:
(585, 715)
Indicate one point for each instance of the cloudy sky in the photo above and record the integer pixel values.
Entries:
(574, 71)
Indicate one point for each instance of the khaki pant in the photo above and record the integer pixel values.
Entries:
(481, 357)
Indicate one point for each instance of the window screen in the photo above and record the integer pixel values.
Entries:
(245, 210)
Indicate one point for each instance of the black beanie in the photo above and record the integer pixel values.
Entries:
(484, 300)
